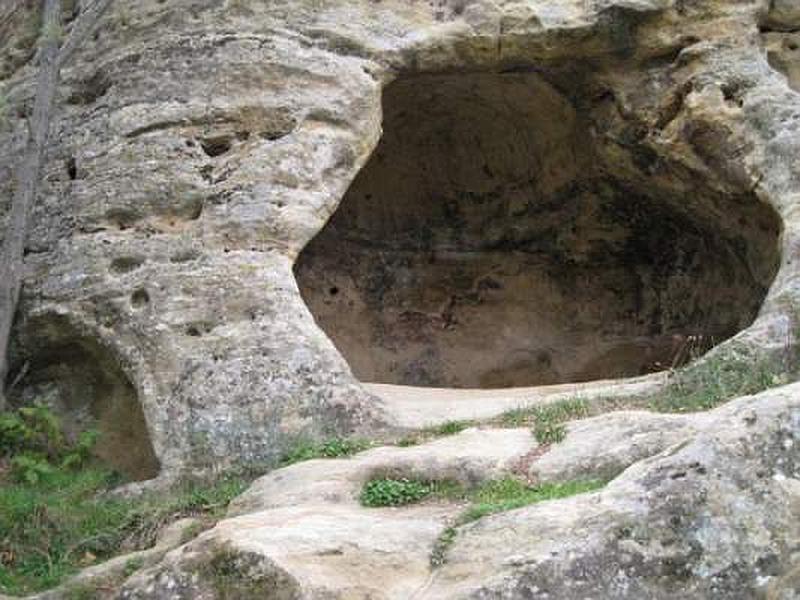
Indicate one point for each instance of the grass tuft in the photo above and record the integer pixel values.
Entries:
(502, 495)
(509, 493)
(449, 428)
(547, 421)
(332, 448)
(708, 384)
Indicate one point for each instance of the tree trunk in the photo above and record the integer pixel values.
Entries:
(27, 181)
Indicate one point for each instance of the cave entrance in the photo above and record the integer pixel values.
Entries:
(85, 386)
(485, 244)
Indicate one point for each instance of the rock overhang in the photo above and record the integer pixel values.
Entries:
(261, 372)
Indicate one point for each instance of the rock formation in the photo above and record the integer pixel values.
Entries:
(564, 191)
(250, 208)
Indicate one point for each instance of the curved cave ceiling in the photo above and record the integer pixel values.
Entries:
(487, 244)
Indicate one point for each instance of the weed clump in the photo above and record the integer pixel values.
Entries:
(436, 431)
(395, 492)
(333, 448)
(55, 515)
(547, 422)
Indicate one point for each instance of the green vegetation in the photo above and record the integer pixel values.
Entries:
(55, 527)
(547, 421)
(509, 493)
(699, 386)
(501, 495)
(32, 443)
(56, 516)
(436, 431)
(396, 492)
(441, 545)
(332, 448)
(708, 384)
(449, 428)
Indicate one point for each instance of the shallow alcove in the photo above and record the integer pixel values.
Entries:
(485, 244)
(84, 384)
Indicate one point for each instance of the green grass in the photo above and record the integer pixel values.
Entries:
(712, 382)
(547, 422)
(435, 431)
(442, 545)
(51, 529)
(448, 428)
(509, 493)
(501, 495)
(333, 448)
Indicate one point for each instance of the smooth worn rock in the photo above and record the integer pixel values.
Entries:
(642, 213)
(716, 514)
(602, 447)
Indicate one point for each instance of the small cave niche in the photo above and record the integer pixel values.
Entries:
(82, 382)
(488, 243)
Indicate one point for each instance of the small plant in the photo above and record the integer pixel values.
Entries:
(435, 431)
(332, 448)
(32, 441)
(30, 469)
(450, 428)
(80, 453)
(131, 566)
(32, 429)
(548, 420)
(549, 433)
(395, 492)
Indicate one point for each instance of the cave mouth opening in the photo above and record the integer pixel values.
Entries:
(81, 380)
(491, 242)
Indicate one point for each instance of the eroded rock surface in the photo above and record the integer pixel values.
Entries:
(619, 177)
(709, 510)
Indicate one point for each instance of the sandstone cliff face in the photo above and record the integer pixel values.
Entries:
(202, 144)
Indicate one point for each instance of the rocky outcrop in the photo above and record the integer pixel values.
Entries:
(202, 144)
(710, 510)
